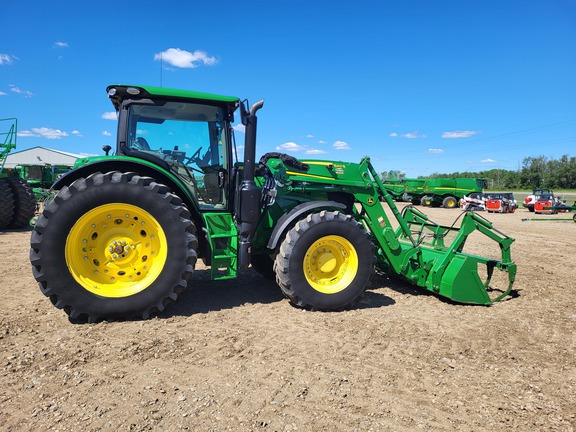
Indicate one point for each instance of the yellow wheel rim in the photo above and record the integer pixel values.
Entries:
(330, 264)
(116, 250)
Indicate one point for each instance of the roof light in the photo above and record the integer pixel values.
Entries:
(133, 91)
(112, 92)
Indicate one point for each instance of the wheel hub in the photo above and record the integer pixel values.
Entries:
(325, 261)
(120, 249)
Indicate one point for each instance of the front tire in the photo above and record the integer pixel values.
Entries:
(325, 262)
(113, 246)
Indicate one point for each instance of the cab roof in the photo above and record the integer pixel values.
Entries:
(119, 92)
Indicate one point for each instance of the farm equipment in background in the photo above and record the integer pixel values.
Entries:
(531, 199)
(122, 235)
(548, 203)
(404, 189)
(473, 202)
(436, 192)
(563, 208)
(17, 200)
(500, 202)
(446, 192)
(41, 178)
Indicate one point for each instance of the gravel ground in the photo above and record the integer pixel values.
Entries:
(236, 356)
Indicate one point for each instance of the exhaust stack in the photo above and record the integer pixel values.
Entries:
(248, 194)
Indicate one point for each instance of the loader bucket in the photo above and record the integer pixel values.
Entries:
(461, 281)
(452, 273)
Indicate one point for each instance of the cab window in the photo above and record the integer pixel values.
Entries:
(191, 138)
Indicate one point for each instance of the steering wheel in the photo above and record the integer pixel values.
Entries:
(194, 158)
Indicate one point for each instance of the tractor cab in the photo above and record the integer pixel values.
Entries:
(186, 133)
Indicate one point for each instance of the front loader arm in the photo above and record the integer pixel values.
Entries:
(430, 255)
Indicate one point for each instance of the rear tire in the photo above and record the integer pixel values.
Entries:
(6, 204)
(113, 246)
(325, 262)
(24, 202)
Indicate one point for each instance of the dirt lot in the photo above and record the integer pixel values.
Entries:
(236, 356)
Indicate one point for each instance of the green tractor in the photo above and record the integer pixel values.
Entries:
(121, 237)
(17, 201)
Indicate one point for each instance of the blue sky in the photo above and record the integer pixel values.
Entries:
(420, 86)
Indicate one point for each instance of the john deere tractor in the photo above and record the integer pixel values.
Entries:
(121, 237)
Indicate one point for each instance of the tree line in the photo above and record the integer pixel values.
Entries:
(535, 172)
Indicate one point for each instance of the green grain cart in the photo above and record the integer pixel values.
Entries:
(122, 236)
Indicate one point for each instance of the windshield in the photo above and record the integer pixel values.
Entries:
(191, 138)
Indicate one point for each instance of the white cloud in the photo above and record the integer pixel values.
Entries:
(321, 142)
(393, 134)
(341, 145)
(185, 59)
(110, 115)
(291, 147)
(413, 135)
(487, 160)
(61, 44)
(435, 150)
(43, 132)
(309, 136)
(76, 132)
(26, 93)
(239, 128)
(3, 94)
(6, 59)
(106, 133)
(459, 134)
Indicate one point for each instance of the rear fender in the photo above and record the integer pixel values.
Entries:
(287, 220)
(123, 165)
